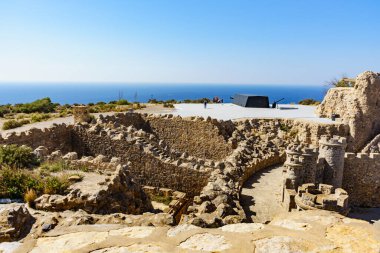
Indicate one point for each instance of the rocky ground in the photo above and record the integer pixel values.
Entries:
(310, 231)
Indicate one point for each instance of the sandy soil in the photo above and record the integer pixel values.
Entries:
(261, 195)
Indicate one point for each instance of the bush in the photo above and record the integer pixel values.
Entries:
(43, 105)
(56, 185)
(309, 101)
(38, 117)
(10, 124)
(30, 196)
(19, 183)
(168, 105)
(17, 156)
(122, 102)
(15, 183)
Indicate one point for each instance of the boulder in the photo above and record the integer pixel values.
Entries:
(15, 222)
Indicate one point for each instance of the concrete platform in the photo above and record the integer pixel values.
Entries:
(233, 112)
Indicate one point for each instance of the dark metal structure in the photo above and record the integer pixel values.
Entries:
(251, 101)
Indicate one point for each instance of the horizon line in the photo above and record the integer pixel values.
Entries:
(153, 83)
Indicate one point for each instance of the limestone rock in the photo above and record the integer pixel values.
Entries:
(15, 222)
(100, 194)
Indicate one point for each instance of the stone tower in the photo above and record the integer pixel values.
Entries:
(81, 114)
(332, 150)
(307, 160)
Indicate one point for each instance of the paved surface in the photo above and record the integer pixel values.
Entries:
(231, 111)
(261, 194)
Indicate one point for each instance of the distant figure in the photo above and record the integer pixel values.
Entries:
(222, 101)
(205, 104)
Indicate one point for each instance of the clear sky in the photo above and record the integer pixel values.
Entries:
(188, 41)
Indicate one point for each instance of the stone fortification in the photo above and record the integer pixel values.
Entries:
(306, 167)
(57, 137)
(332, 150)
(81, 114)
(358, 107)
(362, 178)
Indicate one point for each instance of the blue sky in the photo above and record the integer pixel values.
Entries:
(193, 41)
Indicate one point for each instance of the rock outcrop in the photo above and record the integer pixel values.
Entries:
(15, 222)
(101, 194)
(359, 107)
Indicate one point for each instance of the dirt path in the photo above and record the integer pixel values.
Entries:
(156, 109)
(261, 195)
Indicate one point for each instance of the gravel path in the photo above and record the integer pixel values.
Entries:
(261, 195)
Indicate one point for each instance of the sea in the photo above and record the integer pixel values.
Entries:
(83, 93)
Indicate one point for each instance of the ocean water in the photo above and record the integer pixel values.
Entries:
(86, 92)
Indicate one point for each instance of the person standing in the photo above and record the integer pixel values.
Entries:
(205, 104)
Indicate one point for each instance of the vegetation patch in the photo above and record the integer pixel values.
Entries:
(16, 183)
(309, 101)
(161, 199)
(10, 124)
(18, 156)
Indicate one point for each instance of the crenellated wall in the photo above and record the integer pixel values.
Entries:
(361, 178)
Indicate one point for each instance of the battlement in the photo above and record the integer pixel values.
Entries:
(362, 156)
(334, 141)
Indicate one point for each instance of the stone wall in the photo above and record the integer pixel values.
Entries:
(199, 137)
(361, 179)
(306, 131)
(206, 139)
(358, 107)
(53, 138)
(145, 167)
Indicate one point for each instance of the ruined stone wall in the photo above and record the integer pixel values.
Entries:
(361, 179)
(307, 131)
(358, 107)
(145, 168)
(57, 137)
(128, 119)
(206, 139)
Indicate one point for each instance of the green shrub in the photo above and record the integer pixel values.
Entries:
(15, 183)
(60, 165)
(122, 102)
(56, 185)
(10, 124)
(43, 105)
(38, 117)
(18, 183)
(17, 156)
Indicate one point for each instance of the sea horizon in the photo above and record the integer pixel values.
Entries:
(86, 92)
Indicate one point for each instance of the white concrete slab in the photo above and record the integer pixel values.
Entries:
(233, 112)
